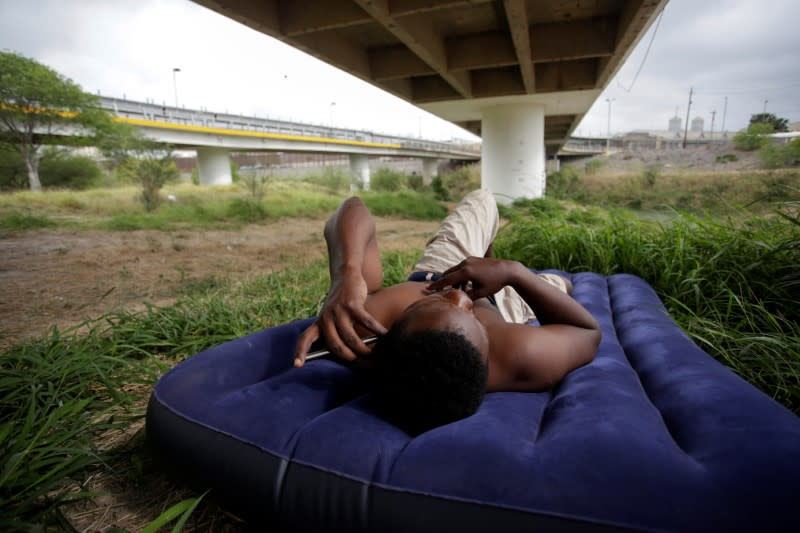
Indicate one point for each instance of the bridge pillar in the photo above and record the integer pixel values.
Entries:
(359, 165)
(214, 166)
(513, 153)
(430, 168)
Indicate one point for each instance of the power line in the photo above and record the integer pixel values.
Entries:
(641, 65)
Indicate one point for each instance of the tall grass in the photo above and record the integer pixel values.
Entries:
(732, 284)
(655, 188)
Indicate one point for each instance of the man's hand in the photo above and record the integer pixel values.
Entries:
(343, 309)
(478, 277)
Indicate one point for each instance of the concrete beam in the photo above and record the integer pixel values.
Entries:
(393, 62)
(635, 18)
(575, 75)
(517, 16)
(298, 18)
(402, 88)
(503, 81)
(411, 7)
(337, 50)
(419, 35)
(432, 89)
(480, 50)
(262, 16)
(579, 39)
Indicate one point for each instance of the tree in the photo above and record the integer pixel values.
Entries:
(778, 124)
(755, 136)
(36, 103)
(138, 159)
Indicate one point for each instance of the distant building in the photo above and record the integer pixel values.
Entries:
(697, 124)
(675, 124)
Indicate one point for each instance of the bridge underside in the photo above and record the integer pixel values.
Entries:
(460, 58)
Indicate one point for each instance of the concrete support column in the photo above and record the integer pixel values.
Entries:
(214, 166)
(359, 165)
(430, 169)
(513, 154)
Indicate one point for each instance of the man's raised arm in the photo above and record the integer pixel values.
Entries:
(355, 269)
(567, 339)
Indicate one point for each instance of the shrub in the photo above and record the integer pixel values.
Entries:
(254, 184)
(13, 174)
(406, 204)
(415, 183)
(386, 179)
(331, 178)
(246, 210)
(458, 183)
(151, 172)
(593, 165)
(753, 138)
(72, 172)
(650, 174)
(780, 156)
(563, 184)
(727, 158)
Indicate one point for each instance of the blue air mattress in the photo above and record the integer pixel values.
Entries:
(654, 434)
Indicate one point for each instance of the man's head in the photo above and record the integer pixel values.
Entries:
(432, 366)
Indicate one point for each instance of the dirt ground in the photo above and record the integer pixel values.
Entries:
(64, 277)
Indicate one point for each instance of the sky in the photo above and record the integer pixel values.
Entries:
(746, 50)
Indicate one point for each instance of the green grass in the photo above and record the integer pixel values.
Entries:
(732, 284)
(406, 204)
(226, 207)
(21, 221)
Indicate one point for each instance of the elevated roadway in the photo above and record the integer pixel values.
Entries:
(520, 73)
(215, 135)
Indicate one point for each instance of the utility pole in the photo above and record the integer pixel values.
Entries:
(765, 106)
(175, 83)
(608, 140)
(711, 133)
(724, 114)
(688, 108)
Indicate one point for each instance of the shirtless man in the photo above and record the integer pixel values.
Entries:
(456, 332)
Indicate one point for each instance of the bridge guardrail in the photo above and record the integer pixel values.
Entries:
(163, 113)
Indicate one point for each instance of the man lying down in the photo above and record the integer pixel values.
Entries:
(456, 329)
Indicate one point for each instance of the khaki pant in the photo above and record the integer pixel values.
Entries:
(468, 231)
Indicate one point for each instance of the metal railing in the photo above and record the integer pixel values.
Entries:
(164, 113)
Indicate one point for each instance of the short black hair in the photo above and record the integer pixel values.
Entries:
(427, 378)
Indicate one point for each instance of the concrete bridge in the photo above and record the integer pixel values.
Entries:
(520, 73)
(215, 135)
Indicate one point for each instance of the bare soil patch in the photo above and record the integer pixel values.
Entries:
(64, 277)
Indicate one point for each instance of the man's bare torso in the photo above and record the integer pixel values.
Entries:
(387, 304)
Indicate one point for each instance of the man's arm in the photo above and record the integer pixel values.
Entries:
(531, 358)
(355, 270)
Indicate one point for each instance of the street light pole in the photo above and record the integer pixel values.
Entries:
(608, 140)
(175, 83)
(332, 106)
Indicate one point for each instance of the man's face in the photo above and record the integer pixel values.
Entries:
(448, 310)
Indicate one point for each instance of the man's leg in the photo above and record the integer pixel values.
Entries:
(468, 231)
